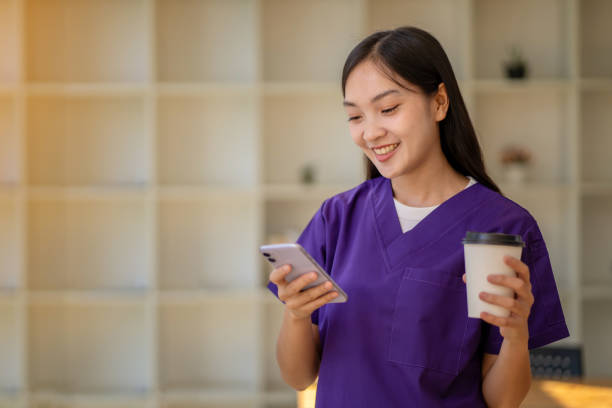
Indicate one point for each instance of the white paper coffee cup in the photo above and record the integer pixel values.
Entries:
(484, 255)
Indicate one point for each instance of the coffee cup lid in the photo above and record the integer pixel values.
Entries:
(492, 238)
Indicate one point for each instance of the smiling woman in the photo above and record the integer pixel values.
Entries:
(404, 337)
(401, 83)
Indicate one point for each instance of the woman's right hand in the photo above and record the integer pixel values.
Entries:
(301, 304)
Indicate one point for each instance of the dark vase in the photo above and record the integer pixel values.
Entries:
(516, 71)
(307, 174)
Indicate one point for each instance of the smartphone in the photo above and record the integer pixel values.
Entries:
(301, 262)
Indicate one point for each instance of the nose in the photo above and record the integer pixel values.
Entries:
(372, 131)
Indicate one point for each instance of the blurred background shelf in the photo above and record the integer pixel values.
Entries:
(85, 89)
(148, 147)
(45, 399)
(88, 297)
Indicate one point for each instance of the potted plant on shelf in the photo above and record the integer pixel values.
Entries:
(515, 161)
(307, 174)
(516, 66)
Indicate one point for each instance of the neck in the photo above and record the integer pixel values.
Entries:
(429, 185)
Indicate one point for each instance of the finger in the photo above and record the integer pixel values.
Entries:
(298, 284)
(512, 304)
(497, 320)
(464, 278)
(519, 267)
(278, 275)
(521, 287)
(317, 303)
(302, 298)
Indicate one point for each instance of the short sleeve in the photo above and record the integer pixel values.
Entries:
(313, 240)
(546, 321)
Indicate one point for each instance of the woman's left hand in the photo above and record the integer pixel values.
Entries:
(514, 327)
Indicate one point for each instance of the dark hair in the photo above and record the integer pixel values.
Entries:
(416, 56)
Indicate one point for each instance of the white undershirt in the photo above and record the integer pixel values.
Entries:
(411, 216)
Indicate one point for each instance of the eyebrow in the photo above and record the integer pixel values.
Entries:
(374, 99)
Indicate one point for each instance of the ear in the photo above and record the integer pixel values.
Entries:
(440, 103)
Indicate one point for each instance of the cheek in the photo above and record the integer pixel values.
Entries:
(413, 127)
(355, 132)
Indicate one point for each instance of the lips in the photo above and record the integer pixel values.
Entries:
(383, 153)
(385, 149)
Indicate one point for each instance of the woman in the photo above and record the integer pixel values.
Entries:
(393, 243)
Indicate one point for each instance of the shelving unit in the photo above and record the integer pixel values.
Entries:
(149, 147)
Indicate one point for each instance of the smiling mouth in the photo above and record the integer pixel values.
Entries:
(385, 149)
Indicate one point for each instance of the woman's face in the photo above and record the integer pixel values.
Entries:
(395, 127)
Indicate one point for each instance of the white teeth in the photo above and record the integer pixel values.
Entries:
(386, 149)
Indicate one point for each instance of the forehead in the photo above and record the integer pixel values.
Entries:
(367, 80)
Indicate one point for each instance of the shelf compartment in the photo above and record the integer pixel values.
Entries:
(525, 87)
(10, 244)
(596, 237)
(96, 89)
(208, 347)
(273, 319)
(550, 208)
(9, 140)
(309, 129)
(86, 41)
(596, 84)
(207, 244)
(444, 19)
(205, 88)
(303, 192)
(597, 292)
(308, 41)
(87, 141)
(86, 244)
(10, 401)
(191, 404)
(59, 400)
(499, 24)
(10, 350)
(202, 296)
(199, 135)
(190, 192)
(9, 42)
(90, 349)
(91, 297)
(285, 399)
(597, 332)
(541, 129)
(595, 34)
(596, 135)
(208, 399)
(180, 58)
(285, 220)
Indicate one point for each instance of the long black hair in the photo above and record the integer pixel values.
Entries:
(416, 56)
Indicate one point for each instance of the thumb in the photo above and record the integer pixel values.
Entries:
(464, 278)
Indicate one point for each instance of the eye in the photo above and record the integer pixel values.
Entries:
(390, 109)
(351, 118)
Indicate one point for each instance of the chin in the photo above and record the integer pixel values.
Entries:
(387, 172)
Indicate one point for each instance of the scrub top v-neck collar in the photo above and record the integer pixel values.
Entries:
(398, 244)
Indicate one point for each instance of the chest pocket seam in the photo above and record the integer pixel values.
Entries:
(429, 304)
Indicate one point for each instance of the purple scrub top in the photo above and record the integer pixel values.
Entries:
(404, 338)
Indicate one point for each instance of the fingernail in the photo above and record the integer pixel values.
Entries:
(328, 285)
(285, 267)
(313, 275)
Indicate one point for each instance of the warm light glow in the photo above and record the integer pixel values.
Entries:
(306, 398)
(564, 395)
(574, 395)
